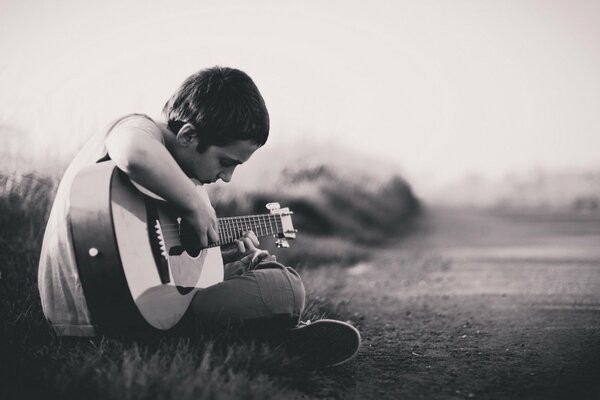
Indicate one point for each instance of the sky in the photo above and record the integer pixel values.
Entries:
(442, 89)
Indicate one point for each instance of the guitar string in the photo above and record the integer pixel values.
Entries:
(248, 217)
(239, 234)
(174, 234)
(222, 233)
(239, 222)
(233, 230)
(243, 224)
(218, 243)
(227, 232)
(278, 225)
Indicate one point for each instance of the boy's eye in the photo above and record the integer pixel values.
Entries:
(227, 163)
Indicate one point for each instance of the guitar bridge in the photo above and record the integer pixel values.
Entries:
(157, 243)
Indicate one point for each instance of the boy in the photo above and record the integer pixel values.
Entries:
(214, 122)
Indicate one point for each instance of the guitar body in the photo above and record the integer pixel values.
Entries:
(135, 270)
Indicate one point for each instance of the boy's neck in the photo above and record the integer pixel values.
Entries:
(168, 135)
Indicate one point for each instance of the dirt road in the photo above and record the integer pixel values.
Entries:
(480, 305)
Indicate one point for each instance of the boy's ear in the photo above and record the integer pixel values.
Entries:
(187, 135)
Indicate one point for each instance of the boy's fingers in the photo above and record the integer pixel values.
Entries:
(245, 245)
(213, 237)
(240, 246)
(249, 245)
(203, 240)
(252, 236)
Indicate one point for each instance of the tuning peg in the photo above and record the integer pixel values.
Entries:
(273, 206)
(282, 243)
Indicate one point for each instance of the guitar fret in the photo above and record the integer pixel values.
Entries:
(262, 230)
(256, 222)
(239, 228)
(228, 230)
(255, 227)
(231, 228)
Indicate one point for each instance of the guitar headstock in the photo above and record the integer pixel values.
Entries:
(288, 231)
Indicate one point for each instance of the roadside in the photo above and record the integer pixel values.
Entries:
(478, 305)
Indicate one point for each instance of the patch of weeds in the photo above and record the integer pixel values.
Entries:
(323, 297)
(35, 363)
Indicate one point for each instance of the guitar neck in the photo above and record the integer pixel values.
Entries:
(232, 228)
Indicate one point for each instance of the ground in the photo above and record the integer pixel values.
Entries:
(479, 305)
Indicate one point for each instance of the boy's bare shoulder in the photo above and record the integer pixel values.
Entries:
(138, 123)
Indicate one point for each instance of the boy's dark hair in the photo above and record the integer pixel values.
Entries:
(223, 104)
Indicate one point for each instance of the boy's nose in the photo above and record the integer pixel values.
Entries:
(226, 175)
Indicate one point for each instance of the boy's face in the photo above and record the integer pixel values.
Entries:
(215, 162)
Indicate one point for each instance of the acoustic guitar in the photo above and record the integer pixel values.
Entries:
(140, 263)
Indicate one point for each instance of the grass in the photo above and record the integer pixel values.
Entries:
(35, 363)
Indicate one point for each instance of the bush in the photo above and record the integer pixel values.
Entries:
(326, 205)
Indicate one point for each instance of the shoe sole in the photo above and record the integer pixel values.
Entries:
(325, 342)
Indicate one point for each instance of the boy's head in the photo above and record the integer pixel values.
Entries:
(223, 105)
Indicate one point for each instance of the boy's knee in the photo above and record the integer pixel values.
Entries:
(298, 288)
(282, 290)
(270, 292)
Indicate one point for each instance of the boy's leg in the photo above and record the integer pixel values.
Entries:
(267, 302)
(270, 293)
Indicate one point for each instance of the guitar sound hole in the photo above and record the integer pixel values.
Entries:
(189, 239)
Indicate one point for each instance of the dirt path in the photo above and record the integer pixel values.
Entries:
(480, 306)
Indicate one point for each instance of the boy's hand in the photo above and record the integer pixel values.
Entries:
(204, 221)
(246, 245)
(201, 215)
(247, 263)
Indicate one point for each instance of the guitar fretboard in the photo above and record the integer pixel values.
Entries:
(232, 228)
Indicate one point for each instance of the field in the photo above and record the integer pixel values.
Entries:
(35, 363)
(461, 303)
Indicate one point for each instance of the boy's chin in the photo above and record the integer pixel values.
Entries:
(200, 181)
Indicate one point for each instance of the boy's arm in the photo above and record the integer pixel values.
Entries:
(148, 162)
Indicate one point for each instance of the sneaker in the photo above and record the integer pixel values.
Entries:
(323, 343)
